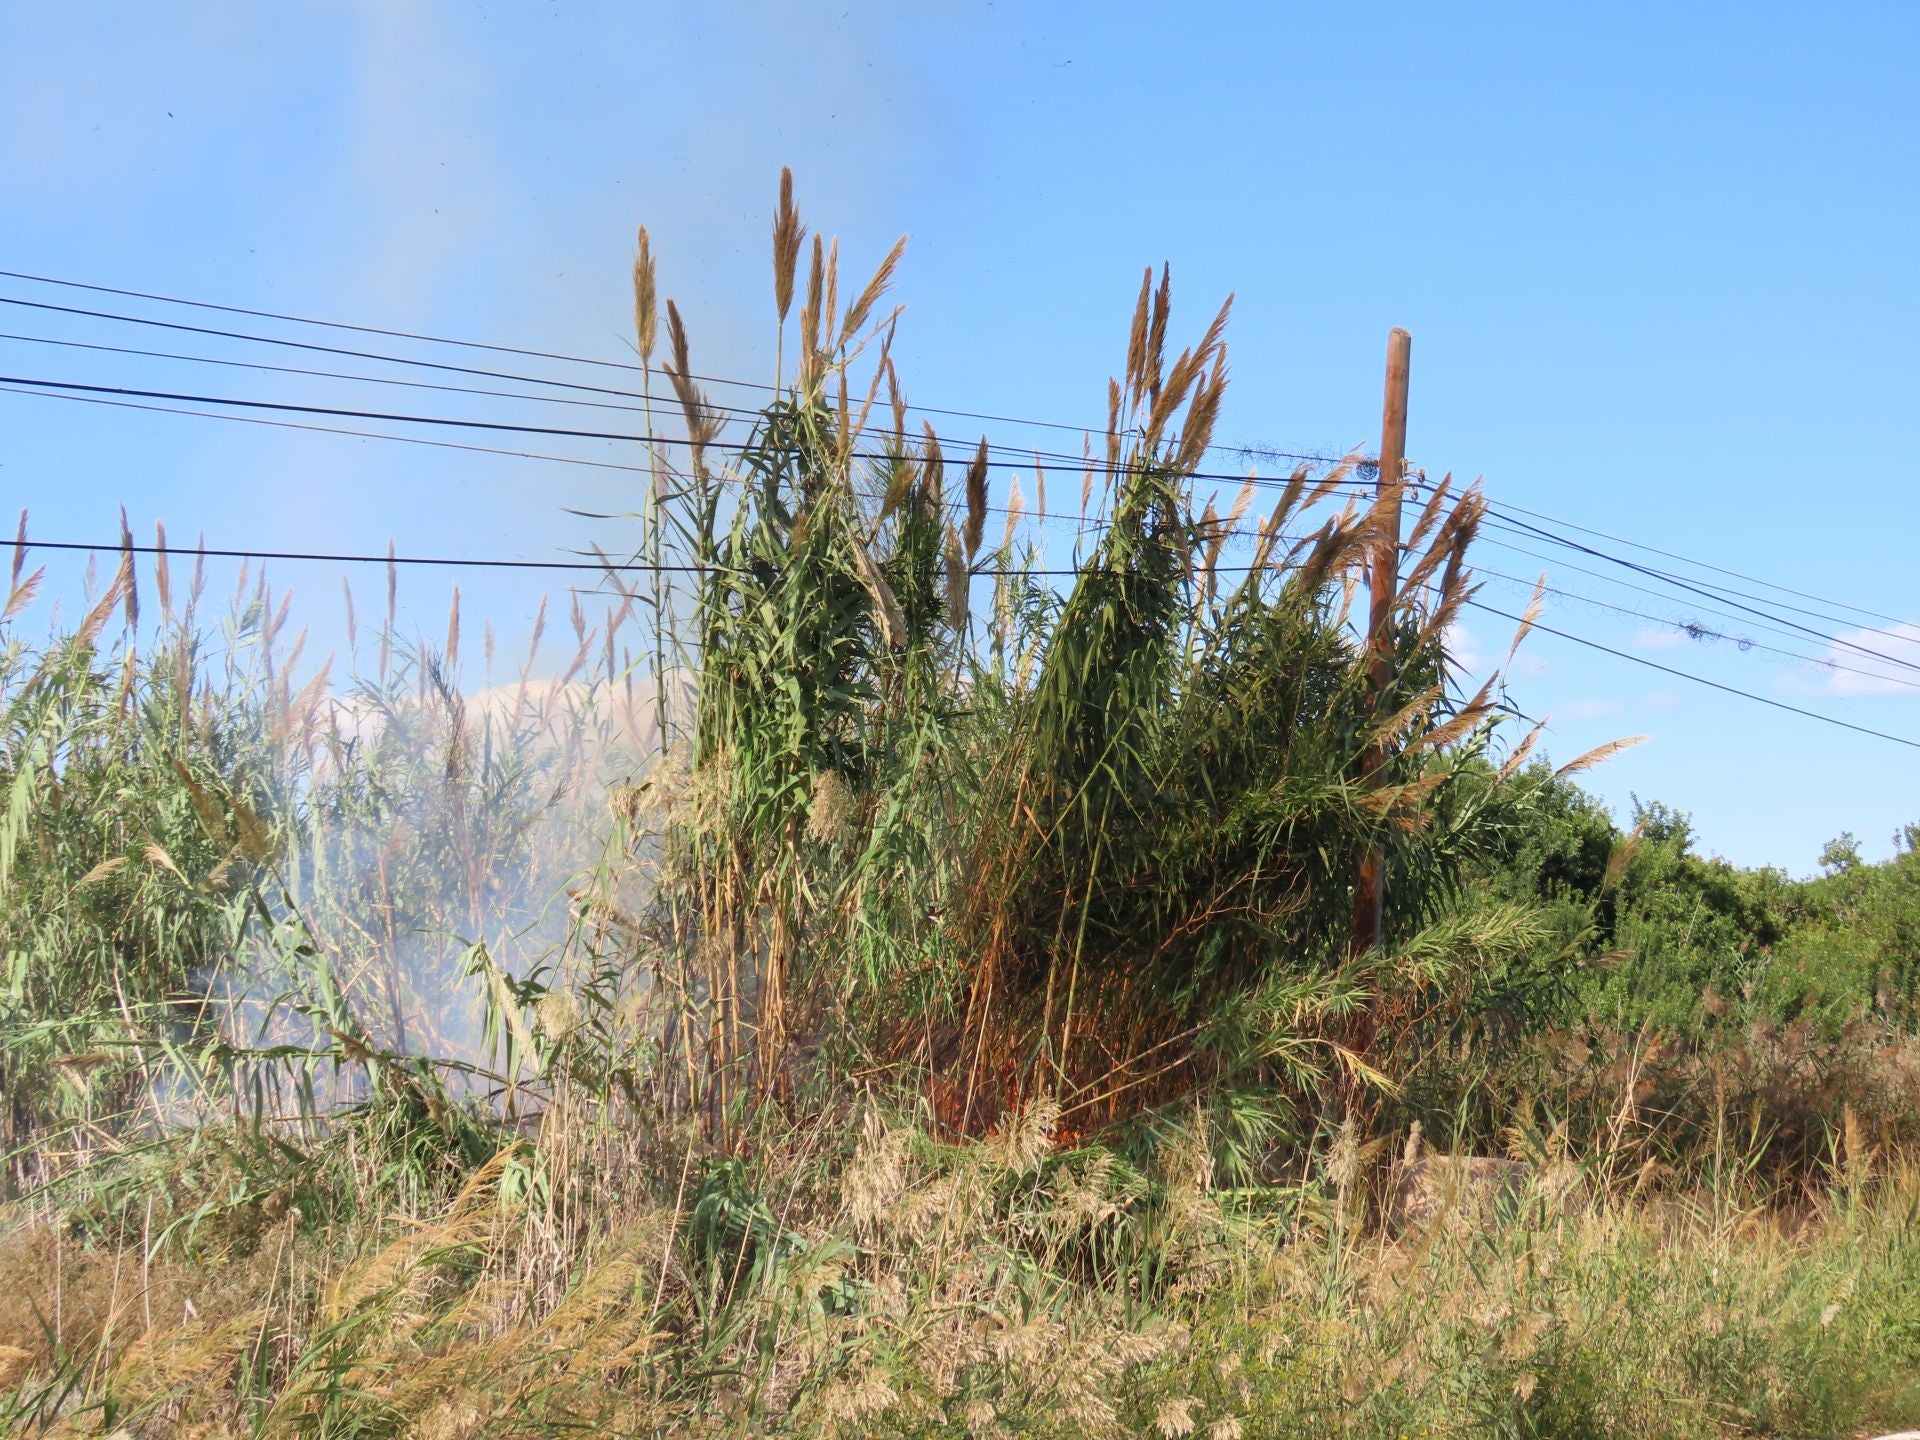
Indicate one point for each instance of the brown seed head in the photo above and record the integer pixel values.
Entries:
(787, 234)
(133, 582)
(976, 499)
(646, 314)
(881, 282)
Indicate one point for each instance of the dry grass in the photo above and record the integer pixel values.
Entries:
(997, 1287)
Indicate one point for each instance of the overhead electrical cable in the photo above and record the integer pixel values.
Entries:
(428, 339)
(1722, 597)
(662, 405)
(1502, 515)
(1701, 679)
(1692, 629)
(89, 391)
(398, 417)
(1510, 507)
(609, 565)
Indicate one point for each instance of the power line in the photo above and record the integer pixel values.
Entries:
(1085, 523)
(338, 374)
(600, 566)
(666, 405)
(1508, 505)
(352, 558)
(1720, 595)
(535, 354)
(329, 430)
(615, 566)
(425, 338)
(1562, 566)
(310, 346)
(396, 417)
(733, 412)
(548, 430)
(1714, 593)
(1695, 631)
(1719, 590)
(1701, 679)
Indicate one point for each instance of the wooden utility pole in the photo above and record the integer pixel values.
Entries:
(1383, 583)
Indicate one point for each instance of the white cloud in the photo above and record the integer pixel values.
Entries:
(1464, 649)
(1883, 671)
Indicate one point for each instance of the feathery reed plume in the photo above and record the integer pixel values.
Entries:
(96, 618)
(830, 300)
(1447, 544)
(393, 610)
(1465, 523)
(539, 629)
(1156, 348)
(1242, 500)
(1597, 756)
(1396, 727)
(133, 574)
(1016, 503)
(882, 366)
(896, 397)
(886, 606)
(1137, 337)
(453, 631)
(1197, 434)
(787, 234)
(162, 577)
(353, 624)
(900, 478)
(1330, 482)
(1620, 858)
(1536, 606)
(1039, 487)
(19, 550)
(1430, 514)
(1288, 502)
(703, 422)
(199, 576)
(1335, 548)
(958, 583)
(882, 280)
(976, 500)
(1113, 425)
(646, 313)
(22, 592)
(1464, 721)
(1215, 532)
(1518, 757)
(810, 312)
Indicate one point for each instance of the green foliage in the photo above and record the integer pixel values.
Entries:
(125, 860)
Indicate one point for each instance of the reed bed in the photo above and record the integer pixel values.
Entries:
(872, 985)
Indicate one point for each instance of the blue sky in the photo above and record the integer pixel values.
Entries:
(1656, 261)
